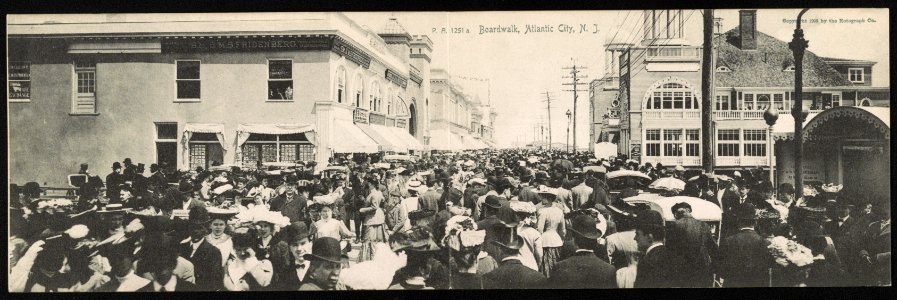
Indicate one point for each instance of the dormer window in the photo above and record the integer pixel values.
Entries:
(723, 69)
(789, 69)
(856, 75)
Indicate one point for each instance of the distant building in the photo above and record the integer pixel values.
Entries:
(660, 93)
(455, 116)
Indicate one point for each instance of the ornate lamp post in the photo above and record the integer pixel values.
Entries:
(798, 45)
(770, 116)
(569, 114)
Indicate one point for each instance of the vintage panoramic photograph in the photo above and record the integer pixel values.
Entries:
(308, 151)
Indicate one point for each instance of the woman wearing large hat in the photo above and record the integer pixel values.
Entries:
(531, 253)
(327, 226)
(243, 270)
(467, 259)
(219, 231)
(553, 228)
(267, 223)
(420, 247)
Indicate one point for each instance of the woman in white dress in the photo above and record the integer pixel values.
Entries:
(327, 226)
(552, 226)
(219, 235)
(531, 252)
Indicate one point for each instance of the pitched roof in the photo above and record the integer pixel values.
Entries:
(392, 26)
(765, 66)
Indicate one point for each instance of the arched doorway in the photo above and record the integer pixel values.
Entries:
(412, 121)
(854, 145)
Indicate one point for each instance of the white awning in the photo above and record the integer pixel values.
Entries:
(190, 128)
(443, 140)
(406, 137)
(348, 138)
(244, 130)
(783, 129)
(383, 137)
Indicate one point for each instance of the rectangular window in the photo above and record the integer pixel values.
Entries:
(692, 142)
(722, 102)
(672, 142)
(748, 103)
(836, 100)
(727, 142)
(167, 146)
(188, 82)
(262, 148)
(856, 75)
(779, 101)
(85, 101)
(19, 81)
(205, 150)
(754, 142)
(280, 79)
(652, 144)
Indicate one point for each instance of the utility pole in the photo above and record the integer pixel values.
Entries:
(574, 72)
(548, 107)
(798, 45)
(706, 93)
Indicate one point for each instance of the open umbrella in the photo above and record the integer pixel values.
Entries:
(668, 183)
(627, 173)
(717, 177)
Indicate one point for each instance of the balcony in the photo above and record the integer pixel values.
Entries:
(722, 115)
(668, 114)
(744, 161)
(721, 161)
(687, 161)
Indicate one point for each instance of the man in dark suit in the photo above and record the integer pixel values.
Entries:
(113, 181)
(490, 210)
(583, 270)
(730, 199)
(839, 227)
(161, 267)
(430, 199)
(511, 273)
(156, 181)
(658, 268)
(692, 241)
(206, 258)
(743, 257)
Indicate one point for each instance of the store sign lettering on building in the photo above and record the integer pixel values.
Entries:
(237, 44)
(19, 78)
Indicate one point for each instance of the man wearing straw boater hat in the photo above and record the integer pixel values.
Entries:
(511, 273)
(584, 270)
(206, 258)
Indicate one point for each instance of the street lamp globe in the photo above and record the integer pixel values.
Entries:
(771, 115)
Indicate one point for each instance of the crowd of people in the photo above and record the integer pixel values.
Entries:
(499, 219)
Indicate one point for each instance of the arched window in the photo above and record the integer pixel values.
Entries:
(865, 102)
(340, 84)
(374, 96)
(389, 101)
(671, 95)
(359, 89)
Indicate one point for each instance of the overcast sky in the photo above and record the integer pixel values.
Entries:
(521, 66)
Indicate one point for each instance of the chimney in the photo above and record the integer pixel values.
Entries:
(748, 29)
(718, 26)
